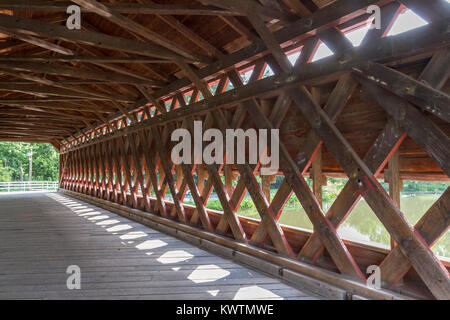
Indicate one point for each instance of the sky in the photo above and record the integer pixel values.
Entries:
(406, 21)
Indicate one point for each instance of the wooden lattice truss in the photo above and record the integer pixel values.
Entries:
(127, 156)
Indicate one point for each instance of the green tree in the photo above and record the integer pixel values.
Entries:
(14, 156)
(5, 174)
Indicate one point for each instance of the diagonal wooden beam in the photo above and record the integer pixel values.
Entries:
(138, 170)
(229, 213)
(387, 141)
(252, 7)
(386, 48)
(192, 36)
(136, 28)
(334, 106)
(339, 253)
(267, 218)
(152, 171)
(72, 72)
(416, 92)
(331, 15)
(38, 28)
(41, 43)
(167, 169)
(190, 182)
(427, 265)
(429, 268)
(435, 142)
(433, 224)
(273, 228)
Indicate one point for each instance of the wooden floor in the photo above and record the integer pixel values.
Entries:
(41, 234)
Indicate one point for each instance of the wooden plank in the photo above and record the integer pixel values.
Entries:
(99, 251)
(169, 227)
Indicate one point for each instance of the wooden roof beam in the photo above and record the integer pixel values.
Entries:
(251, 6)
(72, 72)
(337, 12)
(430, 37)
(66, 106)
(49, 91)
(137, 28)
(127, 8)
(38, 28)
(40, 43)
(81, 92)
(79, 58)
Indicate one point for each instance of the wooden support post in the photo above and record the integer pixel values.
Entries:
(178, 176)
(392, 176)
(229, 179)
(201, 175)
(318, 179)
(266, 181)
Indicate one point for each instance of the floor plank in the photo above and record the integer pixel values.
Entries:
(41, 234)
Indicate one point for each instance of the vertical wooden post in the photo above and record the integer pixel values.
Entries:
(265, 185)
(229, 179)
(318, 179)
(201, 175)
(179, 176)
(162, 175)
(392, 176)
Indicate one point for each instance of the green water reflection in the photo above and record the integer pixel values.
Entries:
(363, 225)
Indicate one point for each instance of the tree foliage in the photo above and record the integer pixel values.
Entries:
(14, 155)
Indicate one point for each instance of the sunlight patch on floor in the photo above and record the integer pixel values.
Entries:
(255, 292)
(174, 256)
(208, 273)
(151, 244)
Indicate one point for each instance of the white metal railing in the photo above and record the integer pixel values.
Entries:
(24, 186)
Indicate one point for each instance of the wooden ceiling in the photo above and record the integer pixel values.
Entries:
(60, 86)
(55, 82)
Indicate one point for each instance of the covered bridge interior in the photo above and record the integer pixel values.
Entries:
(109, 95)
